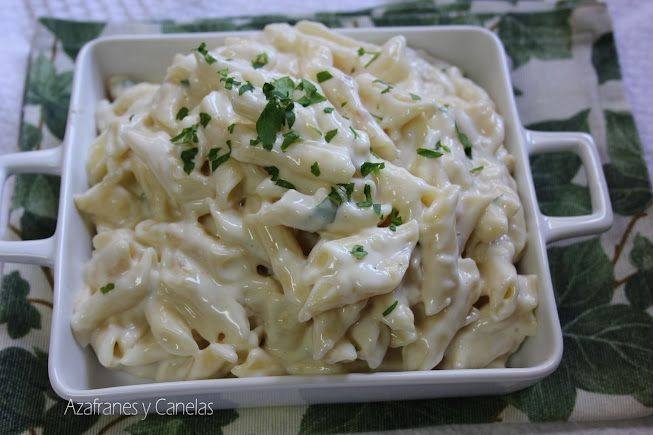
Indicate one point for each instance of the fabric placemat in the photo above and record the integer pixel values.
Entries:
(566, 77)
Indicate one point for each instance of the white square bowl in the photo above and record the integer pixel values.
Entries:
(75, 372)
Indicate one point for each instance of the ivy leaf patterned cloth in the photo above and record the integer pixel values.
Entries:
(566, 77)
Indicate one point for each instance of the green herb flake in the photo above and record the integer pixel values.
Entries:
(131, 116)
(311, 95)
(374, 154)
(317, 131)
(388, 86)
(390, 309)
(107, 288)
(375, 55)
(334, 196)
(273, 171)
(415, 97)
(465, 141)
(377, 209)
(430, 154)
(368, 197)
(348, 189)
(260, 61)
(204, 119)
(186, 135)
(380, 118)
(359, 252)
(476, 169)
(207, 57)
(231, 127)
(289, 138)
(185, 82)
(268, 123)
(246, 87)
(395, 219)
(343, 104)
(353, 131)
(330, 134)
(183, 112)
(323, 76)
(188, 157)
(217, 161)
(315, 169)
(254, 142)
(369, 167)
(328, 109)
(224, 72)
(285, 184)
(230, 82)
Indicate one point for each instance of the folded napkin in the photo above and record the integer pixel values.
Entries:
(566, 77)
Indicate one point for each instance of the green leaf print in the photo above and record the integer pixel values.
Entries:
(604, 58)
(30, 137)
(639, 286)
(183, 424)
(23, 379)
(551, 399)
(553, 172)
(607, 347)
(545, 35)
(415, 13)
(383, 416)
(73, 34)
(52, 91)
(38, 195)
(15, 310)
(627, 175)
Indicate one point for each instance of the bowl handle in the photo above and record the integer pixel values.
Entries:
(582, 144)
(43, 161)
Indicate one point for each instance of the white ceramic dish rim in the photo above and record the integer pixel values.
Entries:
(319, 388)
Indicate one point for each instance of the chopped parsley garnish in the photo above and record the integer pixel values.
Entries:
(107, 288)
(187, 135)
(204, 119)
(343, 104)
(260, 61)
(289, 138)
(311, 95)
(375, 55)
(224, 72)
(358, 252)
(476, 169)
(323, 76)
(246, 87)
(183, 112)
(353, 131)
(390, 309)
(465, 142)
(388, 86)
(285, 184)
(282, 89)
(334, 196)
(328, 109)
(131, 116)
(330, 134)
(188, 157)
(430, 154)
(317, 131)
(395, 219)
(346, 117)
(348, 189)
(315, 169)
(273, 171)
(444, 108)
(415, 97)
(254, 142)
(230, 82)
(374, 154)
(269, 122)
(369, 167)
(217, 161)
(380, 118)
(207, 57)
(185, 82)
(377, 209)
(368, 197)
(230, 129)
